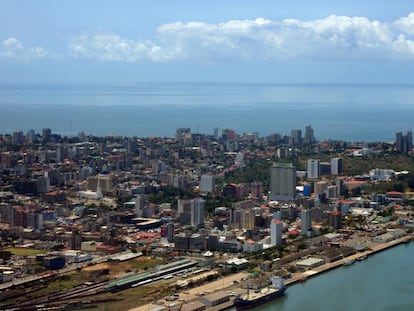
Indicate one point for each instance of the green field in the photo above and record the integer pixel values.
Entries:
(24, 251)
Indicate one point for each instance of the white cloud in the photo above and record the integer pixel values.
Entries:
(12, 48)
(334, 37)
(12, 44)
(406, 24)
(111, 47)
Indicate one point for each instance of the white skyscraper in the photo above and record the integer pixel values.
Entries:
(336, 166)
(282, 182)
(276, 232)
(313, 171)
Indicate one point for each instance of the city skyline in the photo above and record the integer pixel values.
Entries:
(268, 41)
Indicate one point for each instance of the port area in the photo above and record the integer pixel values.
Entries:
(232, 284)
(185, 298)
(300, 277)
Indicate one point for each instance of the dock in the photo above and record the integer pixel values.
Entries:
(228, 282)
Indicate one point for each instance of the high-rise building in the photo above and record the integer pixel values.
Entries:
(309, 138)
(256, 190)
(404, 143)
(170, 232)
(183, 135)
(141, 202)
(296, 137)
(197, 212)
(335, 220)
(216, 134)
(306, 221)
(76, 240)
(282, 182)
(167, 232)
(276, 232)
(46, 135)
(31, 135)
(336, 166)
(207, 184)
(247, 219)
(313, 169)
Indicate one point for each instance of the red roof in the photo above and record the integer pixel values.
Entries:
(394, 193)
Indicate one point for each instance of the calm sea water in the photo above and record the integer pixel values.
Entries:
(384, 282)
(348, 112)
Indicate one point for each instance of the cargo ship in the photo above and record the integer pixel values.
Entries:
(261, 296)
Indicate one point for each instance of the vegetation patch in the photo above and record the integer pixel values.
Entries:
(25, 251)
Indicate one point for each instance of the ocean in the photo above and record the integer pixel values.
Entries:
(340, 112)
(383, 282)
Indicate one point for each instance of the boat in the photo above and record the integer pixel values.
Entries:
(261, 296)
(362, 258)
(348, 262)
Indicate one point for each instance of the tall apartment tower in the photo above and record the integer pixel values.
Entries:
(313, 169)
(296, 137)
(309, 138)
(282, 182)
(256, 190)
(276, 232)
(207, 184)
(197, 212)
(336, 166)
(306, 221)
(404, 143)
(76, 239)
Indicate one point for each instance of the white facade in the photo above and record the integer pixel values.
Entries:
(282, 182)
(336, 166)
(276, 233)
(313, 170)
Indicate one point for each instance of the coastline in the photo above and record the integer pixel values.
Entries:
(332, 265)
(227, 282)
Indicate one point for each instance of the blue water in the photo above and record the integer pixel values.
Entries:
(348, 112)
(383, 282)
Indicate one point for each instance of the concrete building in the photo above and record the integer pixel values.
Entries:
(276, 233)
(282, 182)
(309, 138)
(313, 170)
(335, 220)
(197, 212)
(296, 137)
(336, 166)
(256, 190)
(251, 246)
(404, 143)
(207, 184)
(306, 221)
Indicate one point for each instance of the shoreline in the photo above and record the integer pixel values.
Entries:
(332, 265)
(226, 283)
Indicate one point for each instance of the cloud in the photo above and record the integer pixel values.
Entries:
(111, 47)
(12, 48)
(333, 37)
(330, 38)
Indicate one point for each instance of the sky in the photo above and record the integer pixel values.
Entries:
(271, 41)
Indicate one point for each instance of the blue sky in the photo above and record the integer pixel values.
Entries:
(125, 42)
